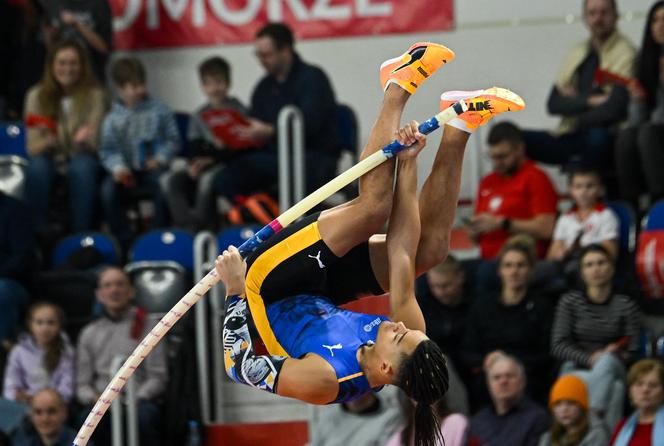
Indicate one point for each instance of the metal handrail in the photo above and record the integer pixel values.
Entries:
(204, 242)
(216, 299)
(290, 130)
(117, 433)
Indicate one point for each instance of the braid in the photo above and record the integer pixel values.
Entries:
(424, 377)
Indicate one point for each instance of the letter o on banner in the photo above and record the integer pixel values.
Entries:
(235, 17)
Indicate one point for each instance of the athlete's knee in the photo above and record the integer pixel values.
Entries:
(431, 254)
(376, 209)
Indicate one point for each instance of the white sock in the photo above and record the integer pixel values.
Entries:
(457, 95)
(460, 124)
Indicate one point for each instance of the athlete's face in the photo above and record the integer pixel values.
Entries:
(393, 341)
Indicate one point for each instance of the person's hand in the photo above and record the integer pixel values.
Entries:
(255, 130)
(635, 90)
(232, 269)
(151, 164)
(410, 136)
(595, 357)
(198, 165)
(218, 144)
(595, 100)
(483, 223)
(50, 140)
(124, 177)
(83, 134)
(22, 396)
(568, 91)
(613, 347)
(68, 18)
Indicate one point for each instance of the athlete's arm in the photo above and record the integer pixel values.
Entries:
(403, 236)
(311, 379)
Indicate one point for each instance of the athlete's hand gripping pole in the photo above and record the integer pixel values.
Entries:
(114, 388)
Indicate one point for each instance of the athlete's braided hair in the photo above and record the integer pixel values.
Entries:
(424, 377)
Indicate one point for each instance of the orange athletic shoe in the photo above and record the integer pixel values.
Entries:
(483, 104)
(414, 66)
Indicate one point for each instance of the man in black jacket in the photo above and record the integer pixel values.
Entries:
(584, 96)
(288, 81)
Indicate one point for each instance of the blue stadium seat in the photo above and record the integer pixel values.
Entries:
(106, 245)
(235, 236)
(654, 219)
(627, 230)
(174, 245)
(12, 139)
(12, 175)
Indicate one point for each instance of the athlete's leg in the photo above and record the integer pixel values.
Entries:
(437, 203)
(347, 225)
(440, 193)
(438, 199)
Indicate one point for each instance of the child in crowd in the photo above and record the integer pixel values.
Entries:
(572, 424)
(211, 139)
(139, 139)
(588, 222)
(42, 358)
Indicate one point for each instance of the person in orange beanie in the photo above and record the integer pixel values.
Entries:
(572, 424)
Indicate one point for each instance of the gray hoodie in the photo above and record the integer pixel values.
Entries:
(597, 435)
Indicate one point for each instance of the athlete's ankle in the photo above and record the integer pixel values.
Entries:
(394, 93)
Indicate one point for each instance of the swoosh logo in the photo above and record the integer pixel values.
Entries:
(415, 55)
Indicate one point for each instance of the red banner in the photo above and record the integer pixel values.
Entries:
(174, 23)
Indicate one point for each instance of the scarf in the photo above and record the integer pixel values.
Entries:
(627, 430)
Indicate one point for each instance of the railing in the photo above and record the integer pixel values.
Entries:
(117, 426)
(290, 130)
(204, 244)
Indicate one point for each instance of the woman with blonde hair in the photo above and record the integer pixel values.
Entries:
(63, 113)
(572, 425)
(645, 427)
